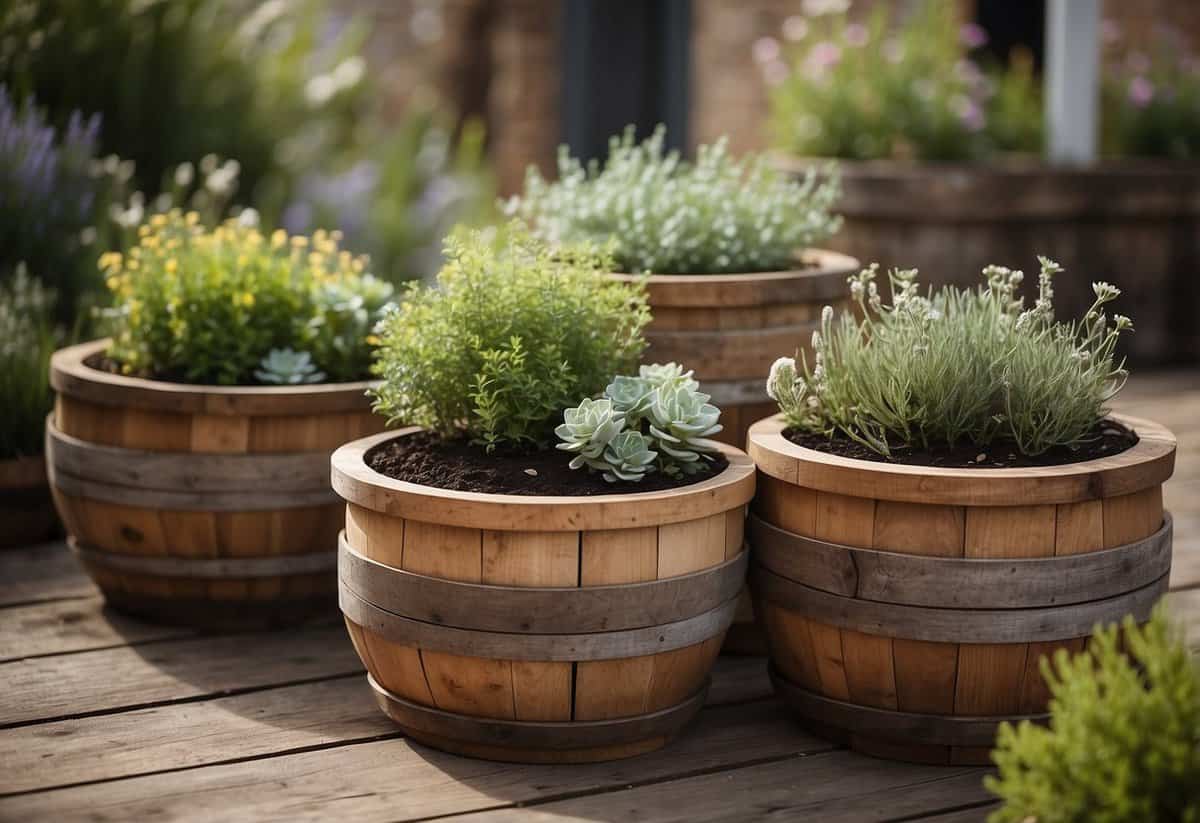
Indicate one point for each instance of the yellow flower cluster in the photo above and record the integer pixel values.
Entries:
(177, 245)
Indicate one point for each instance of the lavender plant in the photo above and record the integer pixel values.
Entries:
(664, 215)
(28, 337)
(51, 187)
(955, 366)
(657, 421)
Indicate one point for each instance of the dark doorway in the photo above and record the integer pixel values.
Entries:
(1011, 25)
(625, 62)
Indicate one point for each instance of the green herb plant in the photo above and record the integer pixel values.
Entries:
(958, 366)
(28, 337)
(657, 421)
(202, 305)
(1123, 745)
(514, 331)
(667, 216)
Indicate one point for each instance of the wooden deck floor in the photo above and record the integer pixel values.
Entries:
(103, 718)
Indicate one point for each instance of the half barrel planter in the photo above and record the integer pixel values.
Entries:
(201, 505)
(731, 327)
(539, 629)
(26, 510)
(907, 608)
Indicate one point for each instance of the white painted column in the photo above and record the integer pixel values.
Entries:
(1072, 78)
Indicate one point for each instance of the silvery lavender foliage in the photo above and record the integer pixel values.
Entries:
(48, 195)
(668, 216)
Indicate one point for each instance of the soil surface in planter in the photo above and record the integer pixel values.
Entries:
(103, 363)
(1106, 439)
(457, 465)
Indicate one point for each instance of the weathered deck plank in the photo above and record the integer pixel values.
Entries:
(73, 625)
(395, 780)
(129, 677)
(38, 573)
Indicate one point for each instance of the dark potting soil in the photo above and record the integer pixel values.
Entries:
(457, 465)
(1106, 439)
(103, 363)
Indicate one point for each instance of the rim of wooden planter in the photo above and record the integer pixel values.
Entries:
(27, 472)
(825, 279)
(358, 483)
(1149, 463)
(71, 375)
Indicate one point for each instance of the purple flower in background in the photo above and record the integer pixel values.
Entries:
(343, 197)
(970, 113)
(893, 50)
(1141, 92)
(775, 72)
(856, 35)
(765, 49)
(972, 35)
(824, 55)
(1110, 31)
(1137, 62)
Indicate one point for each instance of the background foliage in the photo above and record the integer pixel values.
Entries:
(514, 333)
(1123, 744)
(28, 337)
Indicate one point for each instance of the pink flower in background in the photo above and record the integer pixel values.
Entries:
(765, 49)
(1141, 92)
(1137, 62)
(795, 28)
(969, 112)
(775, 72)
(823, 56)
(856, 35)
(1110, 31)
(972, 35)
(893, 50)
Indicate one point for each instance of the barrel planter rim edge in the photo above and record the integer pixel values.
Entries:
(72, 376)
(826, 281)
(357, 483)
(1148, 463)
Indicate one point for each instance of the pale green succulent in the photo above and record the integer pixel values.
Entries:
(286, 367)
(657, 421)
(681, 420)
(662, 374)
(587, 430)
(631, 396)
(628, 456)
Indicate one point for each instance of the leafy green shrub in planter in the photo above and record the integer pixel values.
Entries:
(910, 89)
(514, 333)
(1123, 744)
(664, 215)
(204, 305)
(657, 421)
(956, 367)
(27, 339)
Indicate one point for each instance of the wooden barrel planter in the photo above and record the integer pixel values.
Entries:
(907, 608)
(201, 505)
(539, 629)
(26, 510)
(1133, 223)
(732, 327)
